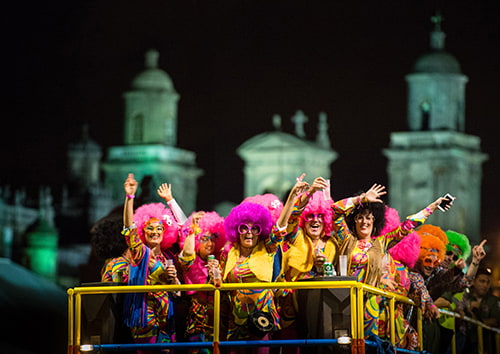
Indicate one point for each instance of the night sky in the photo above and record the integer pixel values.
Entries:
(235, 64)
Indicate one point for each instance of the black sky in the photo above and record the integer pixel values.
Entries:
(235, 64)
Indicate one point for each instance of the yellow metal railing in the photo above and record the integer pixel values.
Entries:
(357, 291)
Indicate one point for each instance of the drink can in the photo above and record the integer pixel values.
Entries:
(328, 269)
(210, 257)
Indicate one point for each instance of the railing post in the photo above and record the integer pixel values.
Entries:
(392, 321)
(216, 334)
(71, 334)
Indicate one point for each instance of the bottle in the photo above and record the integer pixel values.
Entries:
(217, 277)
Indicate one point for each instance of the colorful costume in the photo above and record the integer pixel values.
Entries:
(365, 257)
(199, 326)
(258, 267)
(150, 315)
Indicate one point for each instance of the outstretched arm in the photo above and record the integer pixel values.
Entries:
(165, 192)
(130, 187)
(299, 187)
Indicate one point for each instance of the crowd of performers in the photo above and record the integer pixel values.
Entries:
(263, 239)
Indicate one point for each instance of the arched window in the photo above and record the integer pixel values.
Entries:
(425, 110)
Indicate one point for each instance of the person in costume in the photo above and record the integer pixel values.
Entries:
(150, 232)
(202, 236)
(249, 257)
(308, 245)
(432, 253)
(359, 223)
(450, 277)
(396, 278)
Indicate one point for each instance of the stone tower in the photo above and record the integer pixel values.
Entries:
(150, 139)
(273, 160)
(436, 156)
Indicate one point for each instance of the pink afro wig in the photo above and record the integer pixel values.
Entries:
(247, 212)
(407, 250)
(318, 205)
(269, 201)
(211, 222)
(146, 212)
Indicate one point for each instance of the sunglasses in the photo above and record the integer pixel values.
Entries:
(206, 238)
(450, 253)
(244, 229)
(431, 262)
(152, 228)
(311, 217)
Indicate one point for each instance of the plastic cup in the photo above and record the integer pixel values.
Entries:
(343, 265)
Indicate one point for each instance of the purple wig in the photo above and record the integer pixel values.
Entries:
(318, 205)
(211, 222)
(247, 212)
(269, 201)
(158, 211)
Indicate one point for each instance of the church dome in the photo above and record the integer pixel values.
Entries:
(153, 78)
(437, 62)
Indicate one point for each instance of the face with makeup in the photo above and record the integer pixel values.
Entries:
(153, 233)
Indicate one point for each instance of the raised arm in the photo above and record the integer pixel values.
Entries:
(189, 243)
(130, 187)
(165, 192)
(299, 187)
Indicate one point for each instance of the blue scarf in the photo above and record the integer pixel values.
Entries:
(135, 304)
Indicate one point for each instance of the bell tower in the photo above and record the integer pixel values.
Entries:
(436, 156)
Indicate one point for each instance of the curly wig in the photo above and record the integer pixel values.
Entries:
(431, 245)
(458, 242)
(434, 231)
(318, 205)
(247, 212)
(211, 222)
(106, 237)
(378, 212)
(160, 212)
(405, 251)
(269, 201)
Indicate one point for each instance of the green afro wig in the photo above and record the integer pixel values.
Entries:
(459, 244)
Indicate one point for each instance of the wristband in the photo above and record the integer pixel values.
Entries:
(427, 209)
(307, 194)
(130, 196)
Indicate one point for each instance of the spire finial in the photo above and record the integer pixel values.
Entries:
(277, 122)
(299, 119)
(437, 35)
(437, 20)
(151, 61)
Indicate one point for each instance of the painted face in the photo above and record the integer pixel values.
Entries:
(449, 258)
(364, 224)
(314, 225)
(206, 245)
(482, 284)
(153, 233)
(249, 235)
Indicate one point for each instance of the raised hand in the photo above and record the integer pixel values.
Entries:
(130, 185)
(374, 193)
(165, 192)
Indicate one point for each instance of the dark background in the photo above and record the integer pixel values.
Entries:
(235, 64)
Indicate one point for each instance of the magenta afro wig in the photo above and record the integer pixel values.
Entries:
(211, 222)
(146, 212)
(318, 205)
(407, 250)
(247, 212)
(269, 201)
